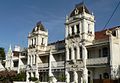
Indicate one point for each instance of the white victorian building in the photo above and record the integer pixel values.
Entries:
(83, 56)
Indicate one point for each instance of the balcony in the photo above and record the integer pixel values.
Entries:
(23, 67)
(59, 64)
(15, 68)
(43, 65)
(54, 65)
(97, 61)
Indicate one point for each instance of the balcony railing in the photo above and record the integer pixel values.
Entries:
(57, 64)
(43, 65)
(54, 64)
(23, 66)
(97, 61)
(15, 68)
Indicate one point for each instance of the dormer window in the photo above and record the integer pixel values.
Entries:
(76, 11)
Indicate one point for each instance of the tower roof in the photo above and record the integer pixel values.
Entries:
(79, 8)
(39, 26)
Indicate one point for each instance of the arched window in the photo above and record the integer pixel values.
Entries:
(34, 41)
(73, 32)
(75, 52)
(78, 28)
(42, 43)
(80, 52)
(70, 53)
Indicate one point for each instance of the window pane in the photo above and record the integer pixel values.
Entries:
(78, 30)
(105, 52)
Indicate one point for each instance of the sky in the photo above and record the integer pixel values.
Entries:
(18, 18)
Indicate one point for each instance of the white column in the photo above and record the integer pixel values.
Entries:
(80, 27)
(19, 63)
(28, 62)
(32, 75)
(70, 30)
(50, 71)
(27, 77)
(34, 59)
(85, 71)
(78, 52)
(83, 29)
(67, 53)
(85, 75)
(117, 33)
(36, 74)
(36, 62)
(72, 55)
(31, 60)
(75, 77)
(67, 76)
(75, 29)
(67, 32)
(53, 79)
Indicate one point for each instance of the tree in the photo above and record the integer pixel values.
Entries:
(7, 76)
(20, 77)
(2, 53)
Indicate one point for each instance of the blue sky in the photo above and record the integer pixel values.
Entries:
(18, 17)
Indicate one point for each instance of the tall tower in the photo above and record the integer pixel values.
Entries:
(37, 42)
(79, 31)
(38, 38)
(80, 23)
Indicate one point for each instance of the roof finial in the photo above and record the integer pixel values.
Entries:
(83, 6)
(10, 48)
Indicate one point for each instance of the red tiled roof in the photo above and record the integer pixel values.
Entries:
(100, 35)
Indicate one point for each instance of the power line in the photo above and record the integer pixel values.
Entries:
(111, 15)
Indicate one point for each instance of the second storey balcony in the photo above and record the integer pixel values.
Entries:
(57, 65)
(43, 65)
(97, 61)
(90, 62)
(54, 65)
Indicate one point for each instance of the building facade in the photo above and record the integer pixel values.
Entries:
(83, 56)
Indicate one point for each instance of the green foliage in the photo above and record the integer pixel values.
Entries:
(61, 78)
(50, 78)
(20, 77)
(7, 76)
(10, 76)
(33, 79)
(2, 53)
